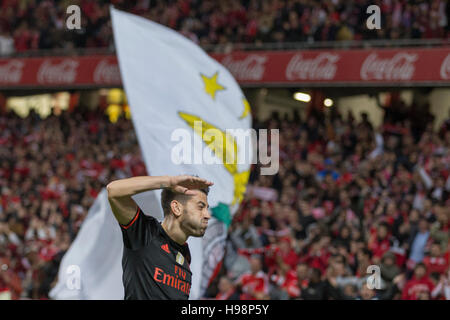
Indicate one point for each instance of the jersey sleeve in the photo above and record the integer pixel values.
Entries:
(138, 232)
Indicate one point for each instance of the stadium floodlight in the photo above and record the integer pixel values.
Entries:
(300, 96)
(328, 102)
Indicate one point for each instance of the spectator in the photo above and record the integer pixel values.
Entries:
(367, 294)
(442, 289)
(419, 242)
(246, 235)
(227, 290)
(380, 244)
(6, 43)
(418, 284)
(389, 269)
(316, 289)
(254, 284)
(436, 261)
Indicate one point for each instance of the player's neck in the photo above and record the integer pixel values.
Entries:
(174, 231)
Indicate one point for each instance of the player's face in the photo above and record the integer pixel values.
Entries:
(196, 215)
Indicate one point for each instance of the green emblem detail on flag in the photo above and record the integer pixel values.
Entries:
(222, 213)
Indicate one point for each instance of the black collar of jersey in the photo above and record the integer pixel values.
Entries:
(179, 247)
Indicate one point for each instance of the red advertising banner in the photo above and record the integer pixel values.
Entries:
(360, 67)
(315, 67)
(60, 72)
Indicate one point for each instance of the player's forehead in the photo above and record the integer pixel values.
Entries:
(199, 197)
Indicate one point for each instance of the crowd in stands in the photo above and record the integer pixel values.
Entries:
(350, 197)
(347, 196)
(50, 173)
(35, 24)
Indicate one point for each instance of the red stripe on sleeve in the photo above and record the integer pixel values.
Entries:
(132, 221)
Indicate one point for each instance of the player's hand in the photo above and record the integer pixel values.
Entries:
(185, 184)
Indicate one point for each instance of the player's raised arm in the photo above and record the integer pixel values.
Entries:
(121, 191)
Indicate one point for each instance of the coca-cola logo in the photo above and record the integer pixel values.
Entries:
(445, 68)
(106, 72)
(11, 72)
(400, 67)
(252, 67)
(62, 72)
(321, 67)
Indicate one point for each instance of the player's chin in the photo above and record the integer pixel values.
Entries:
(200, 232)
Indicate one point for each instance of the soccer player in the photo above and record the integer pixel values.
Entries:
(156, 256)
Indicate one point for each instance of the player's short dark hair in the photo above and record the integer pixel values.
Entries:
(168, 195)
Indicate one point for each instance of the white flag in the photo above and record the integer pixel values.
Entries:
(182, 103)
(91, 268)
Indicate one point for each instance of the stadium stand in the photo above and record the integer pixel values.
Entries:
(342, 203)
(354, 207)
(33, 25)
(51, 172)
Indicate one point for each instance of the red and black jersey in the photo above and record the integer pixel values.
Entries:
(154, 266)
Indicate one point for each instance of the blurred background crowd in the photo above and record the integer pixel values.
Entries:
(50, 173)
(34, 24)
(347, 196)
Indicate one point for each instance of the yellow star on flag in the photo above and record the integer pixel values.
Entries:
(211, 84)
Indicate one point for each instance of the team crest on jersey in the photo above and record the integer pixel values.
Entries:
(180, 258)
